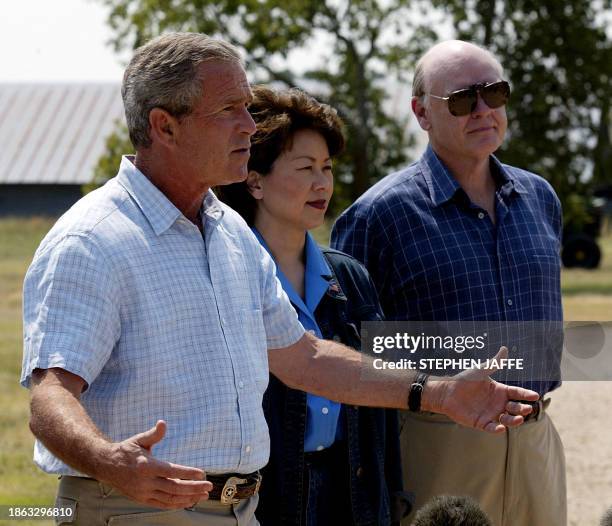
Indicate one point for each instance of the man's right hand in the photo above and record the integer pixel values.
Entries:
(130, 467)
(60, 421)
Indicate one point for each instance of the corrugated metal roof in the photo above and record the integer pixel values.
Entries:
(55, 133)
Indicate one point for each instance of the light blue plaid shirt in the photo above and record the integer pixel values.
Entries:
(160, 321)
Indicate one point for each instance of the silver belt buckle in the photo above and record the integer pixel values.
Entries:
(230, 489)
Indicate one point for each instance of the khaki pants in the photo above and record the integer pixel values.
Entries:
(518, 478)
(96, 504)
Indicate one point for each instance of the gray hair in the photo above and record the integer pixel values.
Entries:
(418, 83)
(164, 74)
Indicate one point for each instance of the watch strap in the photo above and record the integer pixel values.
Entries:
(416, 391)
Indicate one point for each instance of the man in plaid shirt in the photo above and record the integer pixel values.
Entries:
(458, 235)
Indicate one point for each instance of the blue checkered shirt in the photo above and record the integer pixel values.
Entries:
(161, 321)
(436, 256)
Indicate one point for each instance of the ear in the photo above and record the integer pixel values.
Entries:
(163, 127)
(254, 185)
(421, 113)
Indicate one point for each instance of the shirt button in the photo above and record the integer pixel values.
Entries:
(481, 215)
(248, 449)
(320, 448)
(359, 472)
(241, 384)
(509, 302)
(325, 410)
(310, 331)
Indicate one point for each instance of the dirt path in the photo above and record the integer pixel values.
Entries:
(582, 413)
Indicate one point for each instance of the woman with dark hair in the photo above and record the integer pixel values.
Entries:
(330, 464)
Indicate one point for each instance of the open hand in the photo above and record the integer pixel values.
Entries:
(474, 399)
(131, 468)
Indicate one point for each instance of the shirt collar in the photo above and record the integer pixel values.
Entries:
(156, 207)
(318, 277)
(211, 207)
(443, 186)
(506, 177)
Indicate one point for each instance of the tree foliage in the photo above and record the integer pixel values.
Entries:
(349, 53)
(354, 54)
(559, 61)
(117, 144)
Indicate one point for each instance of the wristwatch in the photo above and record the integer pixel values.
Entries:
(416, 390)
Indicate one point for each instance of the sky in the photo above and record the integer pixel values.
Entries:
(57, 41)
(67, 41)
(61, 40)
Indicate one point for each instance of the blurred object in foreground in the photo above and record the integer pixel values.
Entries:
(451, 511)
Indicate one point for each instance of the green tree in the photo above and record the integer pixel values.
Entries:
(365, 49)
(556, 54)
(559, 61)
(117, 144)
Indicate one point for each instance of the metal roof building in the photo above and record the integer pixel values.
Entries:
(51, 137)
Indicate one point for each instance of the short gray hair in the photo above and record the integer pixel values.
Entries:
(164, 74)
(418, 83)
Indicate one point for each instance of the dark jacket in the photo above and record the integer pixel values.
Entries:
(372, 434)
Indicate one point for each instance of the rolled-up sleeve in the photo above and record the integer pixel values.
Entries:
(70, 310)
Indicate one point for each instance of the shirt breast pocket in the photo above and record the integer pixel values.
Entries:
(543, 271)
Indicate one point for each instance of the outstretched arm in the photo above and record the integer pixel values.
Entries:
(61, 423)
(332, 370)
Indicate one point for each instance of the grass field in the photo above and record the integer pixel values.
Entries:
(587, 296)
(21, 482)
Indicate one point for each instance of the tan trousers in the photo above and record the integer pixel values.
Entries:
(518, 478)
(96, 504)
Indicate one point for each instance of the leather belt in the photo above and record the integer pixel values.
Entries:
(539, 406)
(231, 489)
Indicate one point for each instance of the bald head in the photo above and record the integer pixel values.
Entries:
(448, 62)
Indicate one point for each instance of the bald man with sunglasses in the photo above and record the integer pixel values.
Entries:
(460, 236)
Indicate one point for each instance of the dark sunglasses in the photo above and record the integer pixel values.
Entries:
(464, 101)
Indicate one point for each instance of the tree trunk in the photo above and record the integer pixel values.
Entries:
(602, 155)
(361, 177)
(486, 9)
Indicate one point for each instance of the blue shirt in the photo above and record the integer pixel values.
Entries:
(322, 417)
(436, 256)
(161, 321)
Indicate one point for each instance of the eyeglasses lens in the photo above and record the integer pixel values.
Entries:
(463, 102)
(495, 95)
